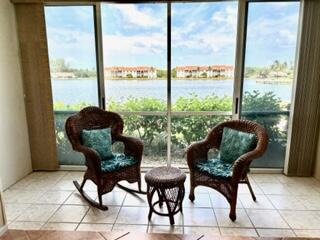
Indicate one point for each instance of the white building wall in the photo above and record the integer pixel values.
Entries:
(180, 74)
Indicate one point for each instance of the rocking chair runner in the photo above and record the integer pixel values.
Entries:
(229, 175)
(95, 118)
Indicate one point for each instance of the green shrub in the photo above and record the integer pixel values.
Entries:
(184, 129)
(257, 107)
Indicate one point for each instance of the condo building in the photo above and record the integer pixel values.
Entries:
(130, 72)
(205, 71)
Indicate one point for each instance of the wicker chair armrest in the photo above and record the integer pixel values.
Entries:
(132, 146)
(197, 151)
(214, 138)
(241, 165)
(93, 160)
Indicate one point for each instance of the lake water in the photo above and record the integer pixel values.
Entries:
(71, 91)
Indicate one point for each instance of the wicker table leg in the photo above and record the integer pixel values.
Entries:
(170, 210)
(160, 198)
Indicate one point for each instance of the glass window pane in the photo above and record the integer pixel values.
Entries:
(135, 71)
(152, 130)
(65, 154)
(188, 129)
(203, 52)
(269, 67)
(135, 56)
(71, 45)
(203, 56)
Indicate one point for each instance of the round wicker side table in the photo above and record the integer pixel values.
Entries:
(168, 182)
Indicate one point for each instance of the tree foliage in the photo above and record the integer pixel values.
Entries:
(161, 73)
(174, 73)
(61, 65)
(204, 75)
(276, 69)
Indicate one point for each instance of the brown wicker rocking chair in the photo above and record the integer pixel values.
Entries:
(226, 186)
(96, 118)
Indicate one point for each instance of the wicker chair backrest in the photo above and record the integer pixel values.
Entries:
(92, 118)
(241, 125)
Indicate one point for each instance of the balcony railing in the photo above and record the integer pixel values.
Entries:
(185, 128)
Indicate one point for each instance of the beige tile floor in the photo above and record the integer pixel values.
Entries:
(285, 207)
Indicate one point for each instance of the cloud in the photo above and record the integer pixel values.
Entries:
(226, 16)
(83, 14)
(209, 35)
(77, 47)
(272, 35)
(279, 4)
(282, 30)
(122, 45)
(197, 30)
(142, 17)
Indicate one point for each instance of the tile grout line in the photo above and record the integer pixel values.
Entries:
(102, 236)
(63, 204)
(280, 214)
(214, 214)
(51, 216)
(254, 227)
(84, 215)
(35, 203)
(246, 209)
(115, 220)
(285, 220)
(274, 208)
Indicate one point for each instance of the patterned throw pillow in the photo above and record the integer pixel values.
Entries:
(215, 167)
(235, 143)
(117, 162)
(100, 140)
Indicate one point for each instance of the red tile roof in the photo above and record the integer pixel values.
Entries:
(205, 68)
(122, 68)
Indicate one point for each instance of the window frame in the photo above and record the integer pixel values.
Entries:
(239, 66)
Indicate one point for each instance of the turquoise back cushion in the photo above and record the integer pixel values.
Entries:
(235, 143)
(100, 140)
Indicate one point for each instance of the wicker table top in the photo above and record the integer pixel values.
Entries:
(165, 176)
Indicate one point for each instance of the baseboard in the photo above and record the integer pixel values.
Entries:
(266, 170)
(72, 168)
(3, 229)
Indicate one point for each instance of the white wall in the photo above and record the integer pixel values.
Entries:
(317, 165)
(15, 161)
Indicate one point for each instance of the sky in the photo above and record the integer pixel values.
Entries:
(202, 34)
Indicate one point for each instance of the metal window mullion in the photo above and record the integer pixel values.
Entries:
(99, 54)
(169, 84)
(240, 58)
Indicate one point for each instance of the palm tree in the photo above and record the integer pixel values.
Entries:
(278, 67)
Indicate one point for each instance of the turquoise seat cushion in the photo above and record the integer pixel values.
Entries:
(215, 167)
(100, 140)
(235, 143)
(117, 162)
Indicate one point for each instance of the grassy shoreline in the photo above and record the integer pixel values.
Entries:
(274, 80)
(259, 80)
